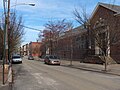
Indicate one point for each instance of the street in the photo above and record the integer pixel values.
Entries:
(35, 75)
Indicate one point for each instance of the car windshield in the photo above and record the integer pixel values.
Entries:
(16, 57)
(53, 57)
(30, 56)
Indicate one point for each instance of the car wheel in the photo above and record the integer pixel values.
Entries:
(45, 63)
(49, 62)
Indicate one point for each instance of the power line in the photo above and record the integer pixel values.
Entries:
(34, 29)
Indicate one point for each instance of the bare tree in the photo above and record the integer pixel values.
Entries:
(83, 19)
(106, 33)
(53, 29)
(57, 27)
(46, 41)
(15, 32)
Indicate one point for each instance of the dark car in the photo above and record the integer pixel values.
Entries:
(51, 59)
(30, 57)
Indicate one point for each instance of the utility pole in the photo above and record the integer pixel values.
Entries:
(6, 34)
(5, 59)
(71, 46)
(8, 27)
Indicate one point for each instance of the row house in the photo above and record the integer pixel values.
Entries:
(33, 48)
(24, 50)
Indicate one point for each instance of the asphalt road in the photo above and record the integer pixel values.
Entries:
(35, 75)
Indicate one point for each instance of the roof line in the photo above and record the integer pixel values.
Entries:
(108, 7)
(100, 4)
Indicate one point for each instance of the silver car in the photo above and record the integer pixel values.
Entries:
(51, 59)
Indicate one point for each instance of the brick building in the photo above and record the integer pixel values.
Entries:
(74, 44)
(110, 24)
(71, 44)
(24, 50)
(34, 48)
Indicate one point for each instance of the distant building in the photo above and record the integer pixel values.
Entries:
(34, 48)
(24, 50)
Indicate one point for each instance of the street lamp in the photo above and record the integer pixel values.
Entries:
(7, 23)
(31, 4)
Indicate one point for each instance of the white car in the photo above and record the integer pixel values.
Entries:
(16, 59)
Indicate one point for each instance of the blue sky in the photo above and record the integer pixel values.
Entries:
(46, 10)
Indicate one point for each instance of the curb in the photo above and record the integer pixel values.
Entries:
(4, 87)
(98, 71)
(89, 68)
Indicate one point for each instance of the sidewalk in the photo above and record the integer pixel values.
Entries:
(113, 69)
(5, 86)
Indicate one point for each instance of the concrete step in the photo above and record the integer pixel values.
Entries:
(93, 59)
(108, 58)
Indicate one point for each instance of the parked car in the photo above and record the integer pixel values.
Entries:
(42, 58)
(30, 57)
(16, 59)
(51, 59)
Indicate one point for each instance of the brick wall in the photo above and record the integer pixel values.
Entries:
(34, 48)
(109, 16)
